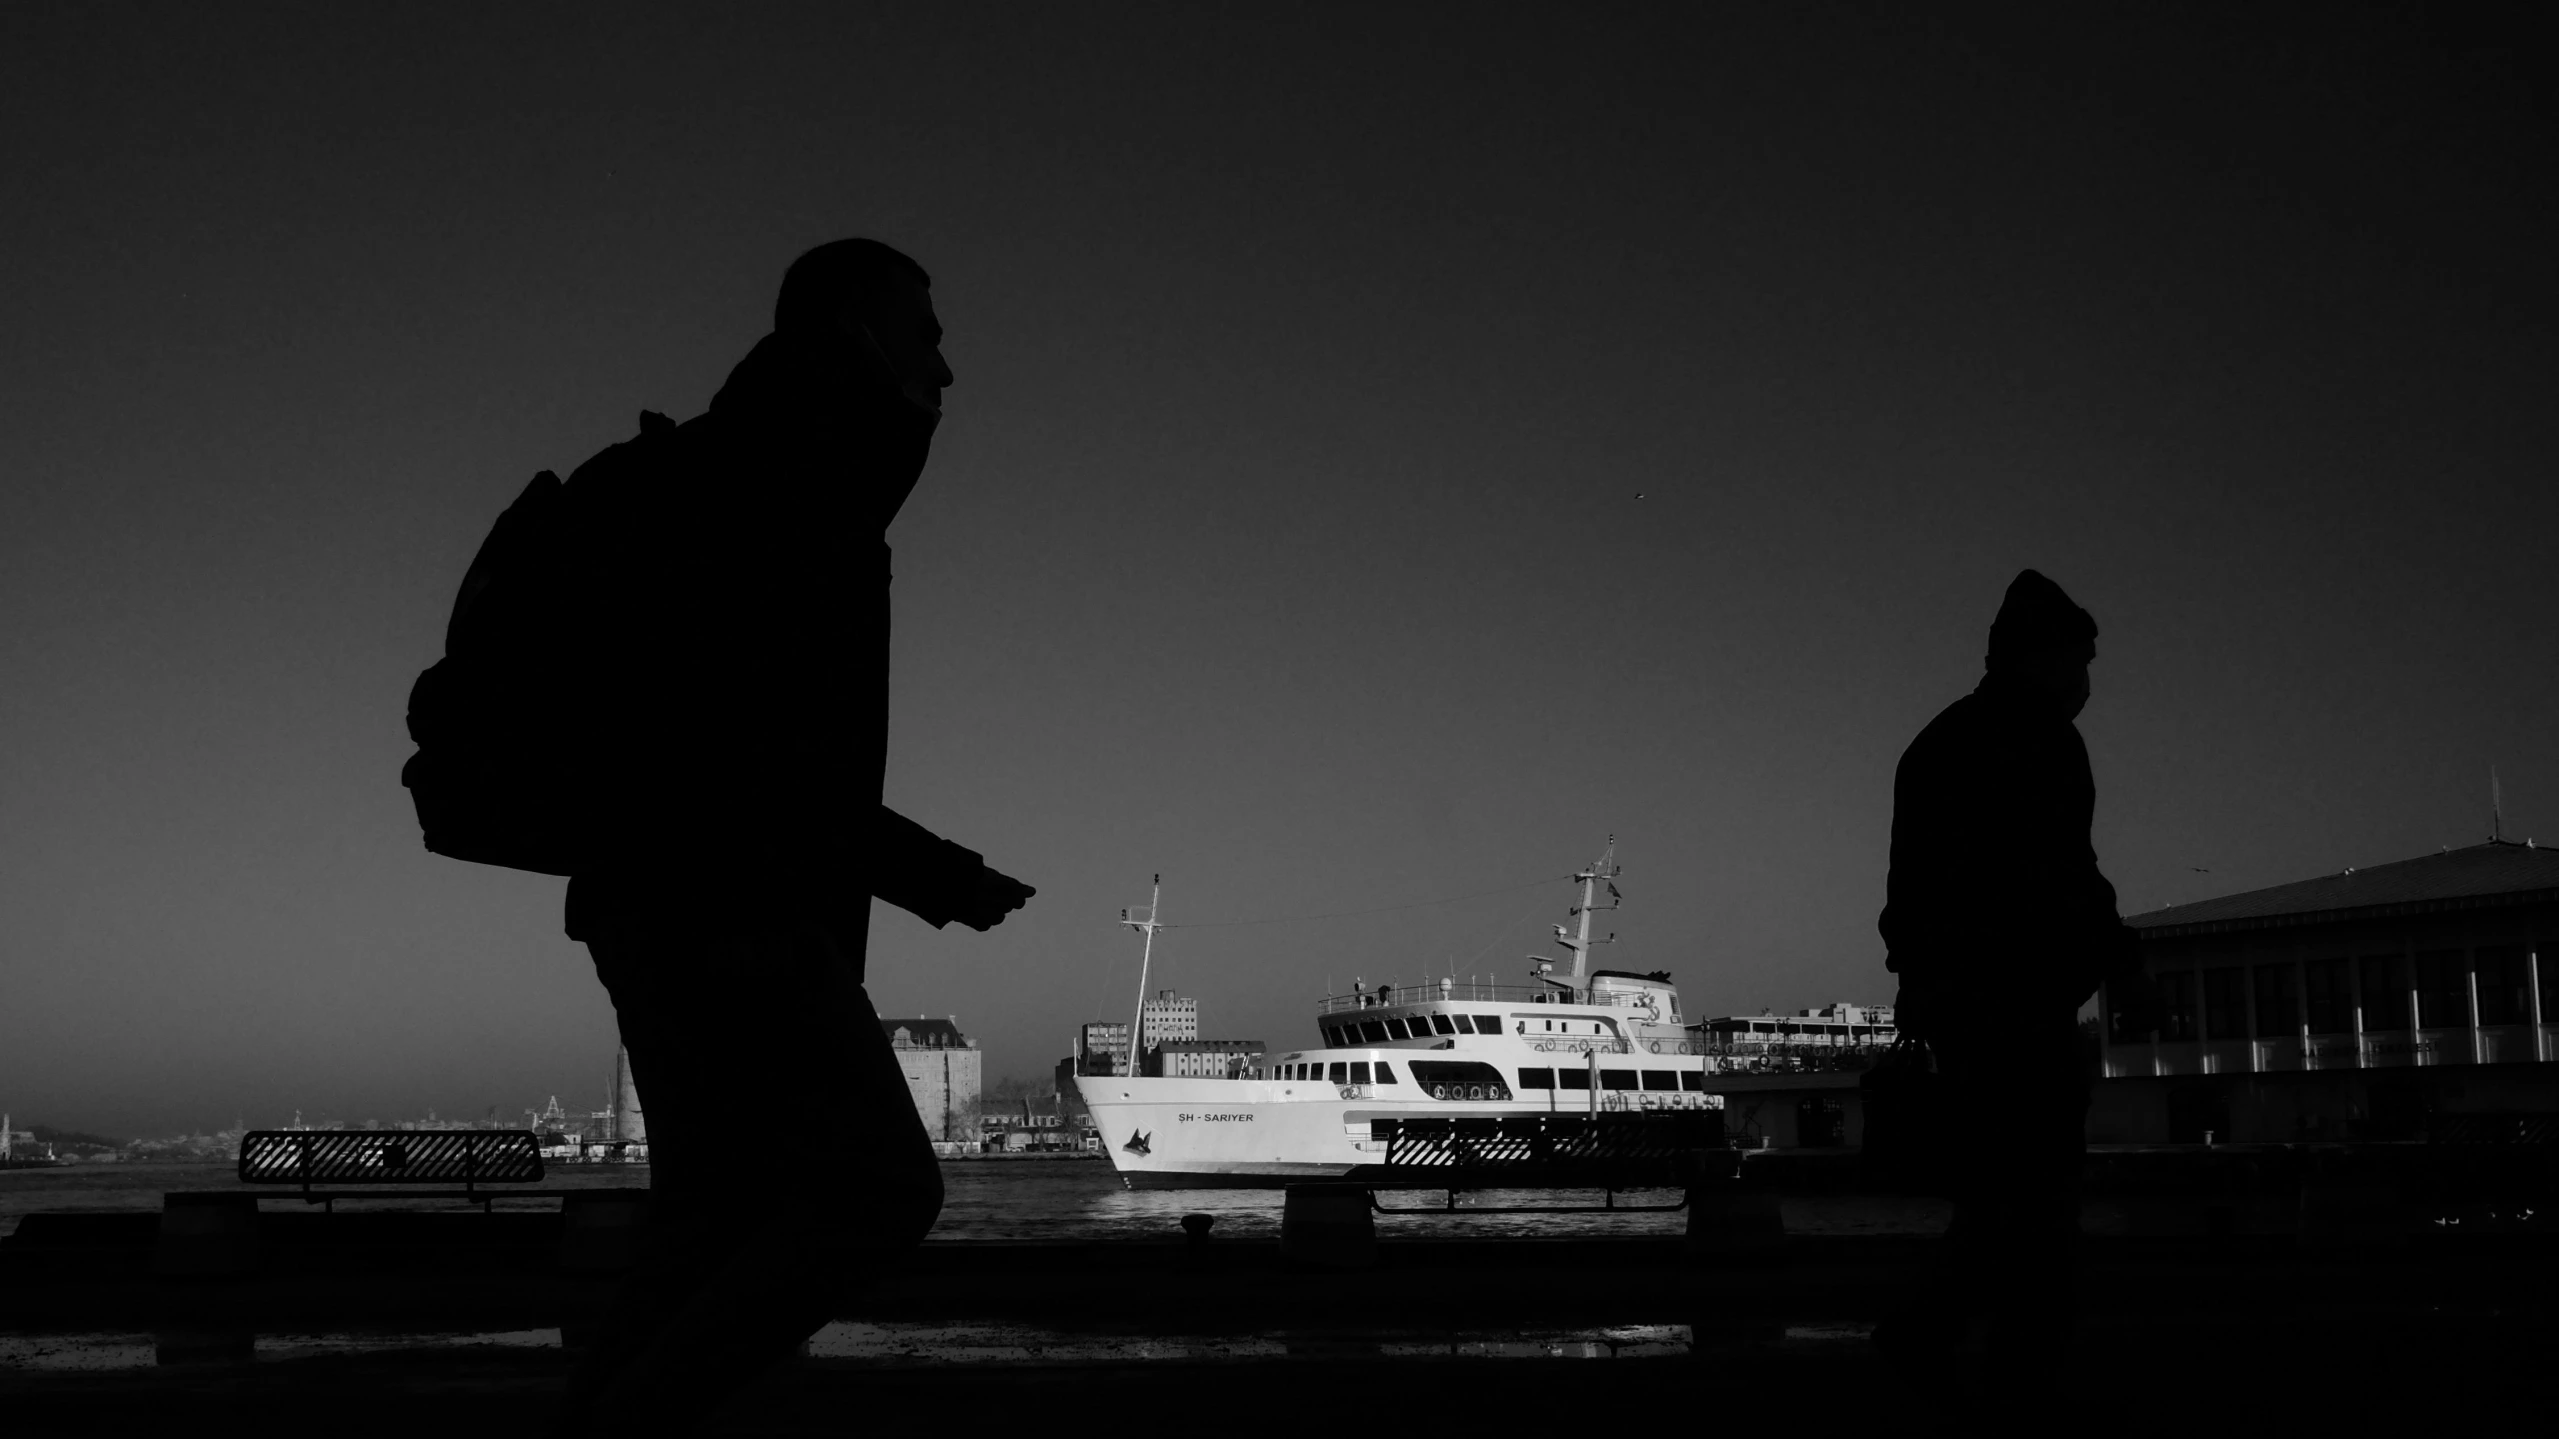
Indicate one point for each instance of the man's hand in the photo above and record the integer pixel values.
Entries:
(996, 896)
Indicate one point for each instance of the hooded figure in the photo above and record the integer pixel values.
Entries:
(2000, 926)
(1994, 898)
(733, 582)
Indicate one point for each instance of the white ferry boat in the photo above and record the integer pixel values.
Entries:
(1579, 1040)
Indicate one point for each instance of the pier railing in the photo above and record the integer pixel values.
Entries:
(1607, 1150)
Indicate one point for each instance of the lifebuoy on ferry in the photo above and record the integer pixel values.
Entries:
(1439, 1091)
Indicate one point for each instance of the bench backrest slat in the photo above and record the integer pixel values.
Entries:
(389, 1156)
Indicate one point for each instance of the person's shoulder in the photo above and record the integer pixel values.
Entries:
(1955, 723)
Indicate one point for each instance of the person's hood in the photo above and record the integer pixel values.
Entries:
(811, 394)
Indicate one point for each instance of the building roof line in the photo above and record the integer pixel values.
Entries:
(2494, 875)
(2310, 918)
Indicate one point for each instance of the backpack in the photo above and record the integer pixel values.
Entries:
(503, 774)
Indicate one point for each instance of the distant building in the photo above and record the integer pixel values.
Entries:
(1833, 1026)
(1102, 1049)
(629, 1124)
(1205, 1058)
(1167, 1017)
(943, 1074)
(2380, 1003)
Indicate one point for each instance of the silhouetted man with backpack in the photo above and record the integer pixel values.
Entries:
(2000, 926)
(668, 679)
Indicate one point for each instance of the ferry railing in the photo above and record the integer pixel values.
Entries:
(1389, 996)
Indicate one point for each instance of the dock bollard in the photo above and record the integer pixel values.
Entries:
(1327, 1226)
(1729, 1217)
(207, 1236)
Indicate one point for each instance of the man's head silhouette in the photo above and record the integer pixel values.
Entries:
(878, 299)
(2041, 645)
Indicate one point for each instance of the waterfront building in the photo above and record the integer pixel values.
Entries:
(1831, 1027)
(1205, 1058)
(2385, 1002)
(1165, 1018)
(943, 1075)
(1102, 1048)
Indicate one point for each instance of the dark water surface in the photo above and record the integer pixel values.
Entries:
(1067, 1199)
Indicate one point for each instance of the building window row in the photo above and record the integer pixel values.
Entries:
(2435, 988)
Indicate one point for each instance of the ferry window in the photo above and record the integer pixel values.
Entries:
(1440, 1023)
(1537, 1079)
(1617, 1079)
(2331, 993)
(1479, 1024)
(1395, 1030)
(1573, 1078)
(1359, 1071)
(2503, 995)
(1550, 1026)
(2384, 989)
(1661, 1079)
(2277, 1016)
(2177, 1004)
(1372, 1031)
(2443, 990)
(1341, 1073)
(2225, 1004)
(1690, 1079)
(1385, 1072)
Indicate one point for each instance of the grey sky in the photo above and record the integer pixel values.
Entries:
(1285, 533)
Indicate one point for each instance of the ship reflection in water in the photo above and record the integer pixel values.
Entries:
(1087, 1201)
(904, 1344)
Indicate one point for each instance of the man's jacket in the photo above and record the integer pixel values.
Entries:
(1995, 901)
(733, 608)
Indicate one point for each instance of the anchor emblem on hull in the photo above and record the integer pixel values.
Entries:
(1137, 1143)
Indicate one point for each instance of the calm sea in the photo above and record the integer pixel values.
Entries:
(1041, 1199)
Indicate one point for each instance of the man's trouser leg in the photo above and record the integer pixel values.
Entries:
(787, 1162)
(2014, 1236)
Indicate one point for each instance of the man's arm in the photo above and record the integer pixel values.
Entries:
(938, 881)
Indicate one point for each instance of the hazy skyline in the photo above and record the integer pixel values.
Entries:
(1392, 451)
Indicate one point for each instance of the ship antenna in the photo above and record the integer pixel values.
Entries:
(1598, 874)
(1146, 926)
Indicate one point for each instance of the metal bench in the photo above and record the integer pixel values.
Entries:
(470, 1157)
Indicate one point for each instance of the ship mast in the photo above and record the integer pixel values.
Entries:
(1146, 926)
(1580, 942)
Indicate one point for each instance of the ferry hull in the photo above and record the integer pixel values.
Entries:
(1255, 1134)
(1226, 1133)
